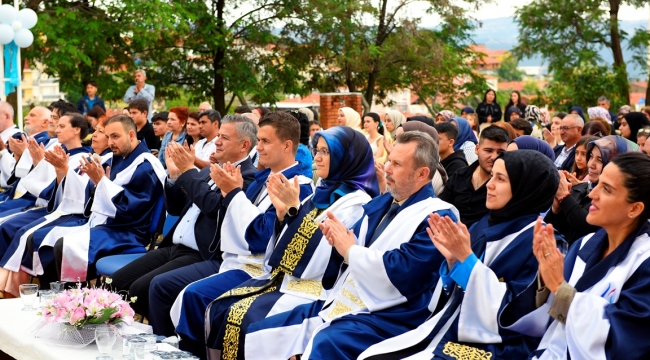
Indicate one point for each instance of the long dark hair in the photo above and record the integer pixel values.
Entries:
(510, 103)
(635, 167)
(580, 174)
(485, 96)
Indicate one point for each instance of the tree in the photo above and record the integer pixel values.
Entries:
(583, 85)
(567, 33)
(508, 70)
(639, 43)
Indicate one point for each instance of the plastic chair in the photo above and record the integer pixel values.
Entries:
(108, 265)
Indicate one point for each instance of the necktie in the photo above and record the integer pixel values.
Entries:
(384, 223)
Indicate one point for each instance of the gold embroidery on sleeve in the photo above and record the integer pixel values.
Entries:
(254, 270)
(348, 294)
(311, 287)
(464, 352)
(338, 309)
(298, 244)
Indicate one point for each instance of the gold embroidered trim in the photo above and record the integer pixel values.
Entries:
(298, 244)
(235, 317)
(338, 309)
(258, 256)
(311, 287)
(464, 352)
(253, 270)
(240, 291)
(348, 294)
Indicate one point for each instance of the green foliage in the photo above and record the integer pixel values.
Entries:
(508, 70)
(582, 87)
(530, 88)
(569, 33)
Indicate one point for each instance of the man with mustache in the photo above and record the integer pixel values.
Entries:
(466, 189)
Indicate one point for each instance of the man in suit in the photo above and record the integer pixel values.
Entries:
(141, 90)
(191, 195)
(570, 132)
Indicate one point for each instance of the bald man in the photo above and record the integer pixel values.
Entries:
(204, 106)
(7, 127)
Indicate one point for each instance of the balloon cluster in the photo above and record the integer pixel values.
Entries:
(15, 25)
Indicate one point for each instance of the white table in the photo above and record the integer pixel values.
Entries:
(17, 340)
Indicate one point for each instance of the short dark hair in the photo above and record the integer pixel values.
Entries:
(242, 109)
(92, 82)
(80, 122)
(447, 128)
(96, 112)
(521, 124)
(560, 115)
(139, 104)
(635, 167)
(494, 133)
(126, 121)
(62, 107)
(314, 122)
(426, 151)
(213, 115)
(160, 116)
(286, 126)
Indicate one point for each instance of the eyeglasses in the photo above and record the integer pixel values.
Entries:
(321, 152)
(567, 128)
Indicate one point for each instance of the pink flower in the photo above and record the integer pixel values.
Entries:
(77, 315)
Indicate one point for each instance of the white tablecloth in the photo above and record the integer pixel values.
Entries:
(17, 340)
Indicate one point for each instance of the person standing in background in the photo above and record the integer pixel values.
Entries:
(141, 90)
(90, 100)
(489, 110)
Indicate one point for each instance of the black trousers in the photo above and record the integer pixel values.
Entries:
(136, 276)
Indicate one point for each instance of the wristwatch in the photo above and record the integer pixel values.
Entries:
(293, 211)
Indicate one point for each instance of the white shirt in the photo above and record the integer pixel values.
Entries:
(563, 155)
(7, 133)
(184, 233)
(204, 148)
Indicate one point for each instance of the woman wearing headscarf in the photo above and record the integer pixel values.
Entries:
(444, 115)
(466, 139)
(439, 179)
(534, 116)
(571, 205)
(350, 118)
(599, 308)
(485, 267)
(297, 257)
(392, 120)
(467, 110)
(489, 110)
(578, 111)
(513, 110)
(527, 142)
(598, 112)
(631, 123)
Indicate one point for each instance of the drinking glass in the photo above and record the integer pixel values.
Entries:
(28, 292)
(105, 337)
(57, 286)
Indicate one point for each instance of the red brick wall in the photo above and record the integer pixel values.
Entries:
(330, 104)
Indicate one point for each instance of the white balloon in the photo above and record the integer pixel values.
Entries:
(23, 38)
(28, 18)
(16, 25)
(7, 14)
(6, 34)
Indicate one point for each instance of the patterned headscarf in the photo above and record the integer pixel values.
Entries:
(352, 118)
(599, 112)
(447, 115)
(546, 116)
(465, 133)
(352, 166)
(533, 114)
(610, 146)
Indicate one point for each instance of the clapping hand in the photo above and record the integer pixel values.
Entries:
(381, 176)
(18, 146)
(451, 239)
(388, 146)
(337, 234)
(283, 193)
(573, 180)
(563, 190)
(59, 160)
(36, 150)
(182, 158)
(549, 257)
(93, 169)
(227, 178)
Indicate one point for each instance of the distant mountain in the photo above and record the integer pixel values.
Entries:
(502, 34)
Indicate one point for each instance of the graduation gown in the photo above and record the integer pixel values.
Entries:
(11, 232)
(120, 213)
(247, 227)
(295, 262)
(469, 300)
(609, 315)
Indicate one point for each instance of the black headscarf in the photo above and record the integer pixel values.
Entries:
(635, 121)
(534, 180)
(304, 125)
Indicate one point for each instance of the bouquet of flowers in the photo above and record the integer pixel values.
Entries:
(80, 307)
